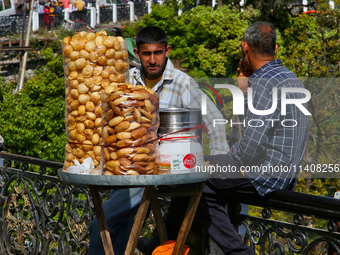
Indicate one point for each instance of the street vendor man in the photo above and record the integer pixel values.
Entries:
(175, 90)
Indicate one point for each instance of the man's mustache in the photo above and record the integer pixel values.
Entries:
(153, 65)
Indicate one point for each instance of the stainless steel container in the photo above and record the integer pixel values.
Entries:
(175, 119)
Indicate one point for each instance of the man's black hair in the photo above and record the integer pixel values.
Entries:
(261, 38)
(151, 35)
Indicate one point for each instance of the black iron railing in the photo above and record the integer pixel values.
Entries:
(50, 21)
(295, 237)
(84, 16)
(123, 12)
(41, 214)
(10, 25)
(140, 8)
(106, 14)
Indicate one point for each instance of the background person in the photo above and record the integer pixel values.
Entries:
(175, 89)
(40, 7)
(47, 17)
(66, 4)
(79, 5)
(57, 9)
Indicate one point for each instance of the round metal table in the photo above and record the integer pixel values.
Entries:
(174, 186)
(133, 180)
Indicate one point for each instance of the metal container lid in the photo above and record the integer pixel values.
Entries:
(172, 117)
(180, 110)
(176, 119)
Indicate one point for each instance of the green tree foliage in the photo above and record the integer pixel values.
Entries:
(312, 50)
(32, 121)
(207, 41)
(275, 12)
(312, 45)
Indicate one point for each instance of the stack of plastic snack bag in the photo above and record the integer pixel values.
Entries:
(130, 119)
(92, 61)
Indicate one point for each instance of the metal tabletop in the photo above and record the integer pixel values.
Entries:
(133, 180)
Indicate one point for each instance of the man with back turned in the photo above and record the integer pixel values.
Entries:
(263, 146)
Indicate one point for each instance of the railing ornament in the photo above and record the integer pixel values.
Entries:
(266, 213)
(298, 219)
(332, 226)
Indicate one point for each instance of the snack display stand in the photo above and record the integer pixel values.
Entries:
(151, 192)
(114, 125)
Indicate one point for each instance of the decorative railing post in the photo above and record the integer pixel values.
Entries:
(66, 14)
(35, 21)
(179, 10)
(149, 6)
(98, 12)
(132, 11)
(304, 3)
(93, 16)
(114, 13)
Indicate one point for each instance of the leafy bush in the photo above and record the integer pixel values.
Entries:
(33, 120)
(129, 31)
(64, 32)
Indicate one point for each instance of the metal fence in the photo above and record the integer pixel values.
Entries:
(41, 214)
(123, 12)
(50, 21)
(12, 24)
(141, 8)
(106, 14)
(81, 15)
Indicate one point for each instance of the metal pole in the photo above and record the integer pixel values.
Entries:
(23, 24)
(27, 42)
(22, 38)
(98, 12)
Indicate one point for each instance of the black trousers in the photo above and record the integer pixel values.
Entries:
(211, 214)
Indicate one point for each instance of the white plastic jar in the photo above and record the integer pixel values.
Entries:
(182, 151)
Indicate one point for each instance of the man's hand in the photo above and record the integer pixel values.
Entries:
(242, 77)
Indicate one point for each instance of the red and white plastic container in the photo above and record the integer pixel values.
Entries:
(182, 151)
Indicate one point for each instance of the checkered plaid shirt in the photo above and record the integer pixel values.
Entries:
(178, 90)
(272, 144)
